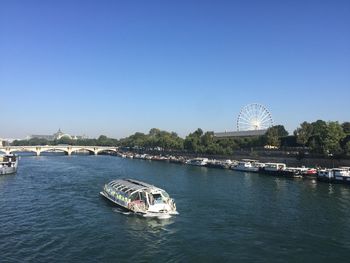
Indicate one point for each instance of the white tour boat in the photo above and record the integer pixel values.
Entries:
(8, 164)
(140, 198)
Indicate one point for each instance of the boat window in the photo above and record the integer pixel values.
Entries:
(143, 197)
(158, 198)
(165, 194)
(129, 191)
(120, 187)
(124, 189)
(134, 197)
(151, 199)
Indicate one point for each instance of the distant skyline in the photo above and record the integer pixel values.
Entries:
(117, 67)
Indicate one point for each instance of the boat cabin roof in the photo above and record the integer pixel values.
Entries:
(249, 160)
(325, 170)
(130, 186)
(275, 164)
(340, 169)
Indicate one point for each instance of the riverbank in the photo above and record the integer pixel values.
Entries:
(287, 157)
(273, 167)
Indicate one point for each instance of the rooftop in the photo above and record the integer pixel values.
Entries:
(132, 185)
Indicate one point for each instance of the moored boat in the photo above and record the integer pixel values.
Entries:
(222, 164)
(140, 198)
(8, 164)
(247, 165)
(342, 175)
(174, 159)
(326, 175)
(279, 169)
(197, 161)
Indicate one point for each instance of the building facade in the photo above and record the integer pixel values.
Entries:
(56, 136)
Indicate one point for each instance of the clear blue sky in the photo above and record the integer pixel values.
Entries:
(116, 67)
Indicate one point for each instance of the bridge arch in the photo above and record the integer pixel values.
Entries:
(53, 149)
(90, 150)
(24, 149)
(106, 150)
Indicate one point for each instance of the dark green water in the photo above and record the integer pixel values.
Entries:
(51, 211)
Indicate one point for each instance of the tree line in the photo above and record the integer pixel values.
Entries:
(319, 137)
(100, 141)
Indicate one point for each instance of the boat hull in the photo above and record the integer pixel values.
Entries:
(115, 202)
(248, 169)
(8, 170)
(342, 179)
(325, 179)
(282, 173)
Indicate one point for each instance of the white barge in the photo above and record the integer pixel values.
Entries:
(326, 175)
(280, 169)
(140, 198)
(8, 164)
(342, 175)
(247, 165)
(198, 161)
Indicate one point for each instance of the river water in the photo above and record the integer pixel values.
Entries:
(51, 211)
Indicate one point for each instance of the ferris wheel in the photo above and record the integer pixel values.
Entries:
(254, 117)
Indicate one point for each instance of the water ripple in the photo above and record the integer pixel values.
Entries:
(51, 211)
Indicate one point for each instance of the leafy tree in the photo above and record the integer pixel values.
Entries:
(193, 141)
(65, 140)
(319, 128)
(346, 127)
(281, 131)
(207, 139)
(154, 132)
(155, 138)
(304, 133)
(198, 132)
(347, 148)
(273, 135)
(334, 135)
(289, 141)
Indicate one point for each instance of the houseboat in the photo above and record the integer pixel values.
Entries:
(310, 173)
(222, 164)
(247, 165)
(8, 164)
(198, 161)
(325, 175)
(280, 169)
(140, 198)
(342, 174)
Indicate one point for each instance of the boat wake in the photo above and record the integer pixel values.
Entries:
(121, 211)
(147, 215)
(160, 216)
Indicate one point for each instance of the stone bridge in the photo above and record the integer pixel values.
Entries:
(68, 149)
